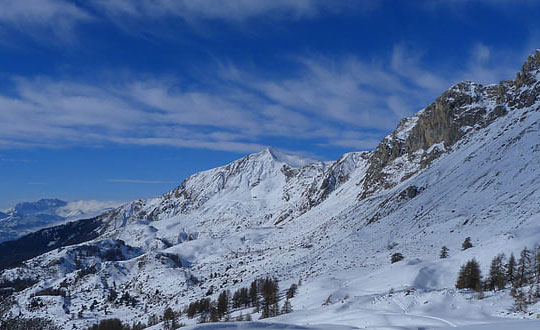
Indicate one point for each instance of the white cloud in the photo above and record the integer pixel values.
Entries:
(41, 17)
(341, 101)
(230, 10)
(53, 21)
(481, 53)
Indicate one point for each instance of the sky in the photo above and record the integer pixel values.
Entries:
(123, 99)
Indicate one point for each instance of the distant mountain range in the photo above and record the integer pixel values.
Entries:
(27, 217)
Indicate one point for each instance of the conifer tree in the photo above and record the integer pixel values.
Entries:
(523, 269)
(520, 301)
(466, 244)
(169, 319)
(536, 265)
(214, 315)
(497, 277)
(511, 270)
(254, 294)
(396, 257)
(287, 308)
(223, 304)
(292, 291)
(269, 292)
(469, 276)
(444, 252)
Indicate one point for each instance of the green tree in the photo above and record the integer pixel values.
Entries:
(254, 294)
(466, 244)
(469, 276)
(169, 319)
(292, 291)
(497, 276)
(523, 276)
(287, 308)
(520, 302)
(269, 292)
(444, 252)
(223, 304)
(396, 257)
(511, 270)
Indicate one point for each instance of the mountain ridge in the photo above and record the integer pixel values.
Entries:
(465, 166)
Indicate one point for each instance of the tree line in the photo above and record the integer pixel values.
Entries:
(521, 275)
(262, 295)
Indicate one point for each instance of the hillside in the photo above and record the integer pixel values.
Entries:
(465, 166)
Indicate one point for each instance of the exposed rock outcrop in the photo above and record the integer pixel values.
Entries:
(422, 138)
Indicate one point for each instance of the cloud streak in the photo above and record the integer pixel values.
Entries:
(326, 101)
(44, 20)
(232, 10)
(37, 18)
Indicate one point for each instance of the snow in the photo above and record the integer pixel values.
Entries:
(269, 214)
(403, 131)
(264, 325)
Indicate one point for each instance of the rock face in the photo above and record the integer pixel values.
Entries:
(467, 106)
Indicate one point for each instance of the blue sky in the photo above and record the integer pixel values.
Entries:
(123, 99)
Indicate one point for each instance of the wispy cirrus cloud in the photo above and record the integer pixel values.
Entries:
(59, 19)
(326, 101)
(42, 17)
(232, 10)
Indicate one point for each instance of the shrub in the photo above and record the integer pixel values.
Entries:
(396, 257)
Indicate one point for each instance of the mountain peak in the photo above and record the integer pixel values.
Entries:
(282, 157)
(533, 62)
(530, 71)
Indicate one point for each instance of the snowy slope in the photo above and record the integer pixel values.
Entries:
(465, 166)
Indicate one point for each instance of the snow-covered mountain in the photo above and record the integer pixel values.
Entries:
(27, 217)
(465, 166)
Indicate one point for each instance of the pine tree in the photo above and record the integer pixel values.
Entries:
(287, 308)
(223, 304)
(214, 315)
(497, 277)
(523, 269)
(444, 252)
(520, 302)
(536, 265)
(469, 276)
(292, 291)
(254, 294)
(466, 244)
(396, 257)
(269, 292)
(511, 270)
(169, 319)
